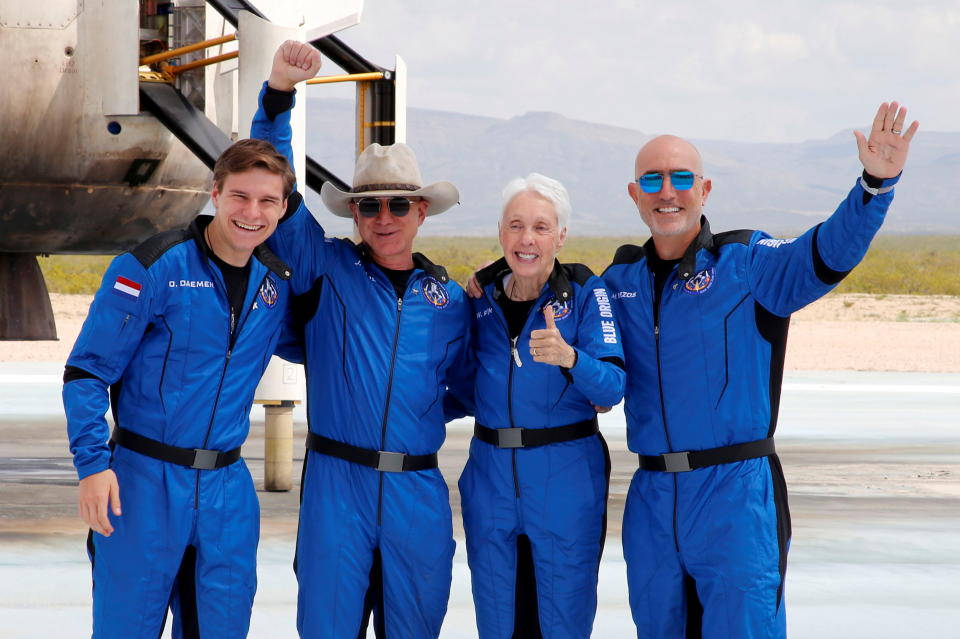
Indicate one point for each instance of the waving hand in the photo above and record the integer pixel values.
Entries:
(885, 152)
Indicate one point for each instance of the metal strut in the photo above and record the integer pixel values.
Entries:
(348, 59)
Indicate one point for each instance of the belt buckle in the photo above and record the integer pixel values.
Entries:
(389, 462)
(204, 459)
(676, 462)
(509, 438)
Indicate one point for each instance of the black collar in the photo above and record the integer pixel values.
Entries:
(688, 263)
(262, 253)
(420, 261)
(436, 271)
(559, 280)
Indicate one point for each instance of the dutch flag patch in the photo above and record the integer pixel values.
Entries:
(127, 289)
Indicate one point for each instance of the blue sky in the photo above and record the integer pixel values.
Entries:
(736, 70)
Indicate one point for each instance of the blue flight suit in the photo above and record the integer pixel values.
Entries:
(158, 334)
(554, 494)
(377, 368)
(706, 549)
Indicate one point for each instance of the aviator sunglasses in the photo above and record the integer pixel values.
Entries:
(370, 206)
(653, 182)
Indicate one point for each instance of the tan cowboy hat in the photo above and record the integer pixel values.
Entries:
(389, 171)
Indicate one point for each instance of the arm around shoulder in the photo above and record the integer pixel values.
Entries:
(461, 373)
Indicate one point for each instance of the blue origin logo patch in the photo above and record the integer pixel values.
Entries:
(699, 283)
(435, 292)
(269, 292)
(561, 310)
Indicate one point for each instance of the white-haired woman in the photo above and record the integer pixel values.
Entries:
(534, 489)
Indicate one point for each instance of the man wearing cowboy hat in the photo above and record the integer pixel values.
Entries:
(384, 331)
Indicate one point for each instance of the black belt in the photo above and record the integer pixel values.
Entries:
(198, 458)
(694, 459)
(530, 437)
(378, 459)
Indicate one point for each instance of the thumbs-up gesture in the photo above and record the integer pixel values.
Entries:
(547, 345)
(293, 62)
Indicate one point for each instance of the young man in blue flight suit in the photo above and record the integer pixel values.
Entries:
(175, 343)
(704, 320)
(384, 330)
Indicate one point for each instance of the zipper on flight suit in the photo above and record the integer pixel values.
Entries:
(514, 359)
(234, 330)
(657, 299)
(386, 407)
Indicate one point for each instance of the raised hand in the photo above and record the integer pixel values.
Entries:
(885, 152)
(547, 345)
(292, 63)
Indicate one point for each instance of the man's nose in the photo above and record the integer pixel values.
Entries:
(249, 208)
(667, 191)
(256, 209)
(384, 216)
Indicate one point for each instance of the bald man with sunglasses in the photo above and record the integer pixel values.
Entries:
(704, 320)
(385, 332)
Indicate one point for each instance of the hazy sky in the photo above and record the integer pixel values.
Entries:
(745, 70)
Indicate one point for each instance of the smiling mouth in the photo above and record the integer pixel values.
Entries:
(247, 227)
(668, 209)
(526, 257)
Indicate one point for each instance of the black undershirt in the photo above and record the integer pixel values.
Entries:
(516, 313)
(397, 277)
(661, 271)
(235, 277)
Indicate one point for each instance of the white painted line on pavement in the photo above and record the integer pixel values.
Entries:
(31, 379)
(872, 388)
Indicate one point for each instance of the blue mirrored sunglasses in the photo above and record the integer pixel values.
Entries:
(653, 182)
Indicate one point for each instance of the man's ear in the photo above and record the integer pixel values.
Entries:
(215, 196)
(707, 186)
(634, 191)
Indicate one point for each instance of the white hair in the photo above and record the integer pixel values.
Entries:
(547, 188)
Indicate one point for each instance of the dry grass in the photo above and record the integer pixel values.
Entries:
(895, 265)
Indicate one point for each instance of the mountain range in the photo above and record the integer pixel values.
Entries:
(782, 188)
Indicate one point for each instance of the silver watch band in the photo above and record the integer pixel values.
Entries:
(872, 191)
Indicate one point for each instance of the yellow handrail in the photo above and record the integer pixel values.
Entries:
(190, 48)
(196, 64)
(351, 77)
